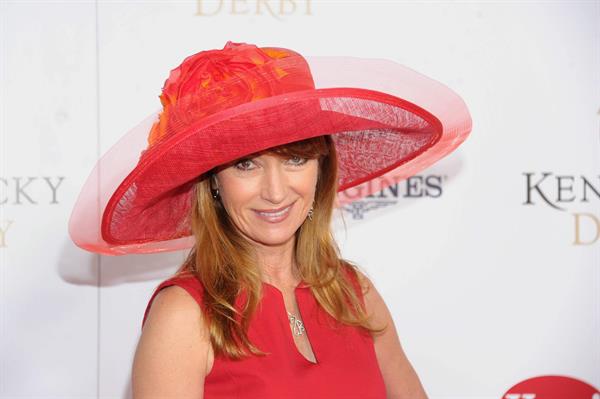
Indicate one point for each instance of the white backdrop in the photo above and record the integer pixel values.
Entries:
(489, 261)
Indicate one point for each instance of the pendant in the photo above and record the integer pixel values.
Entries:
(297, 325)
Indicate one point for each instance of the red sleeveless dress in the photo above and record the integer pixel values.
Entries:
(346, 365)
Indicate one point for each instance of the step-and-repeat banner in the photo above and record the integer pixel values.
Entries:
(489, 261)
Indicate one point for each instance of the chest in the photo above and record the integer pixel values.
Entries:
(328, 360)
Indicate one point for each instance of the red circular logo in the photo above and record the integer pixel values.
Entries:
(552, 387)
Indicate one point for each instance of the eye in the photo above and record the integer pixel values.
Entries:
(244, 164)
(298, 161)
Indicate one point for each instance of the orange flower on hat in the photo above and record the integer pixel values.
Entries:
(210, 81)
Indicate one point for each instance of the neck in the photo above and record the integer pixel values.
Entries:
(277, 264)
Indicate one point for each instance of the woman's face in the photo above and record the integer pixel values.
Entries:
(268, 197)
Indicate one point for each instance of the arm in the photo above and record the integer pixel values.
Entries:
(401, 380)
(172, 355)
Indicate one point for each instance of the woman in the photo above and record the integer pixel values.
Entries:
(247, 159)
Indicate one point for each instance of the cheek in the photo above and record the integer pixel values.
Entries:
(235, 193)
(308, 187)
(308, 181)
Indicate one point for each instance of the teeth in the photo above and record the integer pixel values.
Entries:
(275, 214)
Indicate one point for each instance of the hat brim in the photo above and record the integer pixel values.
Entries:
(143, 204)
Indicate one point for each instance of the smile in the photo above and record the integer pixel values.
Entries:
(275, 216)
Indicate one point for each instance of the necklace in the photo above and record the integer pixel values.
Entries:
(297, 325)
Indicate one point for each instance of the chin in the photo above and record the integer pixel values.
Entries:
(274, 237)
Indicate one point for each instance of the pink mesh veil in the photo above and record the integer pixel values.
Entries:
(385, 119)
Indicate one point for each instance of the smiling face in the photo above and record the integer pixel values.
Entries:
(267, 197)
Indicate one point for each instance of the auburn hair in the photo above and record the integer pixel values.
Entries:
(225, 263)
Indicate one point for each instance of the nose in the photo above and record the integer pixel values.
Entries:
(274, 184)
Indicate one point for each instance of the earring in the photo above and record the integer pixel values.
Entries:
(310, 213)
(213, 182)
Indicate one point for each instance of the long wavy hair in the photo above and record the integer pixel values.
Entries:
(225, 262)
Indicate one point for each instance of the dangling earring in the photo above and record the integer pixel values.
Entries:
(214, 191)
(310, 213)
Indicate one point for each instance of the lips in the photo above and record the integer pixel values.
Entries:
(274, 210)
(274, 215)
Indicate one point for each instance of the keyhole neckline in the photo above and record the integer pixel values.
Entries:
(301, 285)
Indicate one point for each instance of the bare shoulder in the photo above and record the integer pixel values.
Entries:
(400, 378)
(172, 356)
(374, 303)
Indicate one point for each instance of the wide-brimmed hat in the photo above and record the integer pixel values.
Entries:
(221, 105)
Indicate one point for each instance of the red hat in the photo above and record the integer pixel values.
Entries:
(221, 105)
